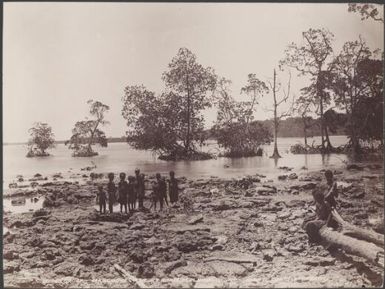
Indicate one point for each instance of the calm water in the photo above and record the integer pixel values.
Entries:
(121, 157)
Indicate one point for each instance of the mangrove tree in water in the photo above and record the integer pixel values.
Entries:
(171, 123)
(42, 138)
(235, 130)
(87, 133)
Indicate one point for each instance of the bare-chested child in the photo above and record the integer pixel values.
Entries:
(332, 192)
(322, 217)
(102, 199)
(139, 187)
(131, 193)
(154, 195)
(162, 188)
(111, 192)
(123, 192)
(173, 188)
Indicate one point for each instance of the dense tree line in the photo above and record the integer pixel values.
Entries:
(344, 94)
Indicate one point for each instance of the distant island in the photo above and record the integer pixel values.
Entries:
(290, 127)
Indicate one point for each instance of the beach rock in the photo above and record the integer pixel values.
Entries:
(146, 271)
(195, 220)
(354, 167)
(12, 185)
(295, 248)
(10, 255)
(285, 168)
(87, 245)
(282, 177)
(265, 190)
(223, 268)
(268, 255)
(11, 267)
(86, 260)
(308, 186)
(293, 176)
(18, 202)
(173, 265)
(137, 226)
(358, 195)
(209, 282)
(321, 261)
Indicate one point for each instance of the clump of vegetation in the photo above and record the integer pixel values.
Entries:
(171, 124)
(42, 138)
(235, 130)
(86, 133)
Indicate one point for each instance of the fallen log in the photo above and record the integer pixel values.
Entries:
(350, 245)
(234, 258)
(356, 232)
(132, 280)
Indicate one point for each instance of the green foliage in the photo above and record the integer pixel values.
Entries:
(41, 139)
(87, 133)
(171, 124)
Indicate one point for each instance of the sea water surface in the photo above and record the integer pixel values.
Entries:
(120, 157)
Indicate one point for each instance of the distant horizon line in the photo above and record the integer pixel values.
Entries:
(121, 139)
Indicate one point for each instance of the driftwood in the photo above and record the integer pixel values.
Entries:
(359, 233)
(132, 280)
(236, 258)
(354, 246)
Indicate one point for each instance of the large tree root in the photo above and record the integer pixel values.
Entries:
(356, 232)
(132, 280)
(351, 245)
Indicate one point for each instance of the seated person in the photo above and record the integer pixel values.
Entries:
(332, 191)
(323, 217)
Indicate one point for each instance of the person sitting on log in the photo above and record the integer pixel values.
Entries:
(323, 217)
(332, 192)
(111, 191)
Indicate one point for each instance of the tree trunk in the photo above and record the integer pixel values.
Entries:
(322, 125)
(357, 232)
(187, 147)
(132, 280)
(275, 152)
(305, 131)
(350, 245)
(329, 146)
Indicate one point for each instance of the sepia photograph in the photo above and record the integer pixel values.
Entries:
(193, 145)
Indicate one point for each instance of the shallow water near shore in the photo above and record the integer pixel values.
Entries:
(25, 205)
(121, 157)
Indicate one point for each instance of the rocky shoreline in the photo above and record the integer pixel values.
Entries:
(242, 232)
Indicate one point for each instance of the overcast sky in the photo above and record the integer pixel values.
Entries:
(59, 55)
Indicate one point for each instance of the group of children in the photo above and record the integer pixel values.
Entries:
(127, 194)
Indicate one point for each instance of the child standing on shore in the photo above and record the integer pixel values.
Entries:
(102, 199)
(123, 192)
(111, 191)
(173, 188)
(154, 195)
(162, 190)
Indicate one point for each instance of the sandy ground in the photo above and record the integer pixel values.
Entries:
(223, 233)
